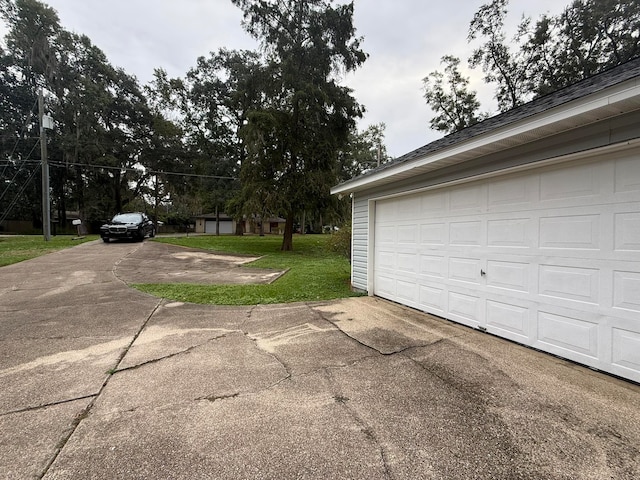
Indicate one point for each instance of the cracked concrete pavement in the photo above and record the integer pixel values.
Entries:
(98, 380)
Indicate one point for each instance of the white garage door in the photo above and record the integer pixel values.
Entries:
(549, 258)
(226, 226)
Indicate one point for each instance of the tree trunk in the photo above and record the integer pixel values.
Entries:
(287, 238)
(155, 206)
(239, 227)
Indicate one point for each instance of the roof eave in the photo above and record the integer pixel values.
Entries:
(609, 102)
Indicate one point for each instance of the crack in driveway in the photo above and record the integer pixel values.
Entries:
(367, 430)
(166, 357)
(47, 405)
(85, 412)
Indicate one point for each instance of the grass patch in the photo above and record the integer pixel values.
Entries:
(314, 273)
(17, 248)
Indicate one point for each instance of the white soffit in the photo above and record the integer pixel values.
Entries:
(608, 103)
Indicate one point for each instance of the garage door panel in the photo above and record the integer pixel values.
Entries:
(408, 234)
(433, 299)
(386, 209)
(386, 234)
(573, 182)
(433, 266)
(627, 174)
(513, 276)
(467, 199)
(570, 232)
(626, 349)
(465, 269)
(509, 320)
(434, 205)
(514, 193)
(627, 231)
(386, 286)
(569, 283)
(408, 262)
(385, 260)
(626, 290)
(511, 232)
(408, 292)
(466, 233)
(464, 308)
(433, 234)
(409, 207)
(576, 336)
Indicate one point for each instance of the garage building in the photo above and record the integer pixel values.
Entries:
(207, 224)
(526, 225)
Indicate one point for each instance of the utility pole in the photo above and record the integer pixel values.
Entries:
(45, 122)
(155, 206)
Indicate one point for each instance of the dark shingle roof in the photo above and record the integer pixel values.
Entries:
(608, 78)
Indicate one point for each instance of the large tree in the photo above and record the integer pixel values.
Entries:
(292, 141)
(587, 37)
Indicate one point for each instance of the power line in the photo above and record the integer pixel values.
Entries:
(15, 199)
(24, 126)
(19, 168)
(131, 169)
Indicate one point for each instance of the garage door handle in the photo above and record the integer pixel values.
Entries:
(482, 273)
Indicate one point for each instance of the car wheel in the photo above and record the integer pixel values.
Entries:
(105, 239)
(152, 233)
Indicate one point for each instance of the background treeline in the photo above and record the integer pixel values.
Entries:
(259, 134)
(545, 55)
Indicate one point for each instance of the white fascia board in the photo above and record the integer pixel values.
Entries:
(575, 108)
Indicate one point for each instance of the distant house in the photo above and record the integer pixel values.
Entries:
(272, 225)
(27, 226)
(207, 224)
(526, 225)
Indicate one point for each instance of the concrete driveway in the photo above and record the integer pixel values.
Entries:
(101, 381)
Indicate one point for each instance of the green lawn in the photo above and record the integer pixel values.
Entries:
(314, 273)
(16, 248)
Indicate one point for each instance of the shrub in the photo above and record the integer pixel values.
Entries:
(340, 241)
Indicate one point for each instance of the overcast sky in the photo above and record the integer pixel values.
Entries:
(404, 38)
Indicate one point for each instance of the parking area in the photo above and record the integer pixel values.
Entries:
(98, 380)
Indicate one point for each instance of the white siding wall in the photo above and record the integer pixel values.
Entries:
(360, 245)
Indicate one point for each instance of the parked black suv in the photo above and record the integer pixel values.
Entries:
(131, 226)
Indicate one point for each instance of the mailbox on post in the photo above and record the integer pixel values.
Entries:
(78, 224)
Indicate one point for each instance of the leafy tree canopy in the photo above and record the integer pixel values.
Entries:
(587, 37)
(449, 97)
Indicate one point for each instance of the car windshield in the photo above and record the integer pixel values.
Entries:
(127, 218)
